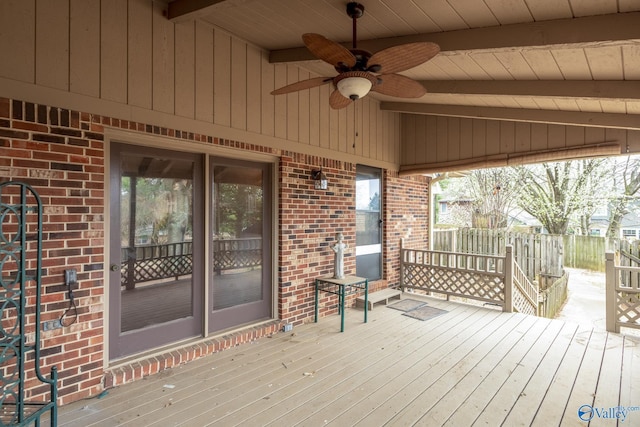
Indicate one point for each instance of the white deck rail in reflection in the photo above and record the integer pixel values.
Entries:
(493, 279)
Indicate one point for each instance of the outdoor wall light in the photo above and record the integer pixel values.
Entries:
(319, 179)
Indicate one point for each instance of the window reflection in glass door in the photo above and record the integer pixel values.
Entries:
(156, 248)
(241, 239)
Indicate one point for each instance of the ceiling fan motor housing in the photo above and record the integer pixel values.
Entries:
(355, 10)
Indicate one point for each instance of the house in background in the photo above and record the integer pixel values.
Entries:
(629, 226)
(455, 212)
(104, 103)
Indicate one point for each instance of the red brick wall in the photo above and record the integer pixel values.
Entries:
(58, 152)
(406, 216)
(309, 220)
(61, 153)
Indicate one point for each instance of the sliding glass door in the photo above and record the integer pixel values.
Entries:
(156, 247)
(241, 228)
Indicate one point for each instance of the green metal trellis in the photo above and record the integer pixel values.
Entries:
(21, 238)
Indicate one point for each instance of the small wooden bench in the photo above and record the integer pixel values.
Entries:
(380, 296)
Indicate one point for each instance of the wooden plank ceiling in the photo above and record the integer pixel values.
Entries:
(553, 61)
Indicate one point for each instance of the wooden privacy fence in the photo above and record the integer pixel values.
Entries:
(622, 299)
(629, 257)
(585, 251)
(553, 297)
(589, 252)
(494, 279)
(535, 253)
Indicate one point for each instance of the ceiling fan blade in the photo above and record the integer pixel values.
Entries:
(337, 101)
(400, 58)
(301, 85)
(328, 51)
(400, 86)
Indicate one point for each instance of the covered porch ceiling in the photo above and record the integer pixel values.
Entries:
(570, 62)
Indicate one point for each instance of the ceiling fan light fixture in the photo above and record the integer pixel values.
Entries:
(354, 87)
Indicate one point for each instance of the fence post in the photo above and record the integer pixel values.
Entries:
(508, 279)
(610, 275)
(402, 260)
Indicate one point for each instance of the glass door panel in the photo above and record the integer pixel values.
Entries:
(155, 292)
(368, 223)
(241, 243)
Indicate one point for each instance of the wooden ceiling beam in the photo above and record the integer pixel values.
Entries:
(576, 118)
(610, 89)
(181, 10)
(583, 30)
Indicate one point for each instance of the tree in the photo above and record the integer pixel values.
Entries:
(162, 209)
(630, 176)
(495, 192)
(482, 198)
(554, 192)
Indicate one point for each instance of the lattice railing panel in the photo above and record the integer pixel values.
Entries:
(522, 304)
(628, 308)
(623, 300)
(228, 260)
(458, 283)
(525, 293)
(474, 276)
(153, 262)
(165, 267)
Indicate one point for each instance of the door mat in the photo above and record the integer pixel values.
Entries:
(407, 305)
(425, 312)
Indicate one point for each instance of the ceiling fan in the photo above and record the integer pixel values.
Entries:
(359, 71)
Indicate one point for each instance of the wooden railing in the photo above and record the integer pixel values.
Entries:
(154, 262)
(525, 293)
(172, 260)
(488, 278)
(623, 299)
(233, 254)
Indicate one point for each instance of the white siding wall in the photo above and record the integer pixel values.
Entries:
(97, 53)
(429, 140)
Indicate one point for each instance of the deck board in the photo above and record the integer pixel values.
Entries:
(469, 410)
(586, 380)
(244, 380)
(516, 378)
(469, 366)
(432, 393)
(555, 401)
(448, 403)
(392, 391)
(528, 402)
(630, 385)
(358, 368)
(370, 378)
(323, 363)
(608, 389)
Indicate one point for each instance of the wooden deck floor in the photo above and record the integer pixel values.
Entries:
(469, 366)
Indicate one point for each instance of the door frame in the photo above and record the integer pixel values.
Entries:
(135, 342)
(113, 135)
(269, 256)
(364, 169)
